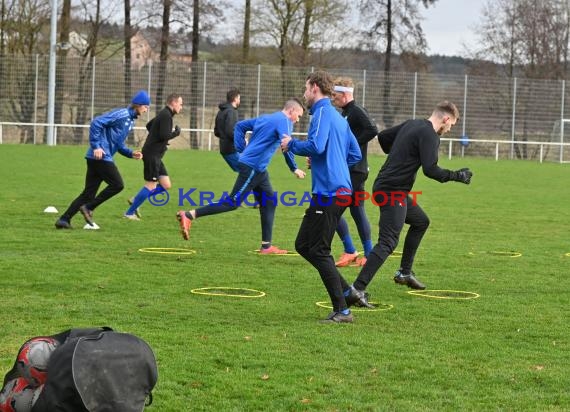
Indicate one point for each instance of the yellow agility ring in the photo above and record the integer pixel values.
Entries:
(444, 294)
(379, 307)
(396, 253)
(505, 254)
(497, 253)
(230, 292)
(167, 250)
(257, 252)
(567, 254)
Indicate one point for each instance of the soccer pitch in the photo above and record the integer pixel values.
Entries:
(507, 349)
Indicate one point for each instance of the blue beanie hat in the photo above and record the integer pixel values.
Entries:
(141, 98)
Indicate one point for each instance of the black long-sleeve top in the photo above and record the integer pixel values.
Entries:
(363, 129)
(159, 133)
(411, 145)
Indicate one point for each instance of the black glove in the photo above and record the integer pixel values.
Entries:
(176, 131)
(461, 175)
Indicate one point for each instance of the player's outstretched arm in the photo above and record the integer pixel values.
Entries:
(462, 175)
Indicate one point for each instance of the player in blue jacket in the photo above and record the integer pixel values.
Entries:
(267, 131)
(107, 136)
(333, 149)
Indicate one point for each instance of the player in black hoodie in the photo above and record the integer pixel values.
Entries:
(226, 119)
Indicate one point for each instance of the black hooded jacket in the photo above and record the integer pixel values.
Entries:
(226, 119)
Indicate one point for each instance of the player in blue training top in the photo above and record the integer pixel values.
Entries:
(332, 148)
(107, 136)
(267, 131)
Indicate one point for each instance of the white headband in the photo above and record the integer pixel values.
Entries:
(343, 89)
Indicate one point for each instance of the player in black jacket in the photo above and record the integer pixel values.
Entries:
(364, 129)
(160, 131)
(411, 145)
(226, 120)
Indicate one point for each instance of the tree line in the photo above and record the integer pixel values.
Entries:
(525, 38)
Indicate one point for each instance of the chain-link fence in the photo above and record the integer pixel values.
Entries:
(524, 116)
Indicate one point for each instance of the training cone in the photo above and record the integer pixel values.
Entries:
(50, 209)
(89, 227)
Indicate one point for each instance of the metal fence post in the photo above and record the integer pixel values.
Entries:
(562, 122)
(415, 95)
(93, 90)
(364, 88)
(36, 97)
(149, 86)
(51, 74)
(204, 96)
(258, 89)
(464, 104)
(513, 118)
(464, 114)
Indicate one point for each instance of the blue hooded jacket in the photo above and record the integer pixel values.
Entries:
(109, 132)
(332, 148)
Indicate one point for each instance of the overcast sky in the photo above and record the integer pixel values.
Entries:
(449, 23)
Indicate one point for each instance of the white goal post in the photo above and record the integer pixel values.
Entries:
(561, 134)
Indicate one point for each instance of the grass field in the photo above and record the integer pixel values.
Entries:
(507, 350)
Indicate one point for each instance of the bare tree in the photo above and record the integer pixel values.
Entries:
(278, 22)
(94, 16)
(529, 38)
(22, 25)
(64, 29)
(128, 34)
(2, 20)
(2, 53)
(164, 41)
(326, 23)
(246, 31)
(293, 26)
(204, 15)
(396, 28)
(526, 36)
(194, 75)
(306, 40)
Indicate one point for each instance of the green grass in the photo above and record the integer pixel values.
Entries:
(507, 350)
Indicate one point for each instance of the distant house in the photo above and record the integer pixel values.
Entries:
(78, 44)
(180, 51)
(142, 54)
(145, 50)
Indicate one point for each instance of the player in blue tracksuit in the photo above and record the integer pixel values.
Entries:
(267, 131)
(332, 148)
(107, 136)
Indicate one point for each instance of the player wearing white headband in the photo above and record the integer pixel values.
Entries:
(344, 89)
(364, 129)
